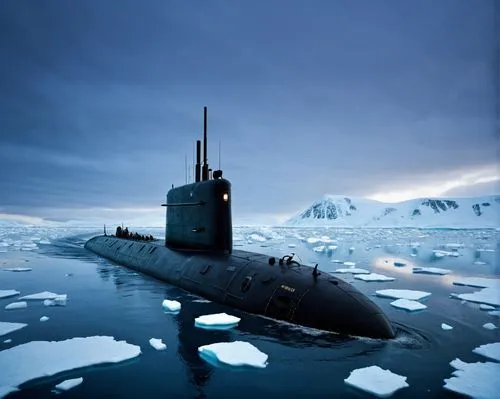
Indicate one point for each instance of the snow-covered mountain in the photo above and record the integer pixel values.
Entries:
(345, 211)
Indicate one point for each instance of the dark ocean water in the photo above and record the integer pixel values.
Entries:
(107, 299)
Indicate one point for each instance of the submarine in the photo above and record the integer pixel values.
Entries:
(197, 255)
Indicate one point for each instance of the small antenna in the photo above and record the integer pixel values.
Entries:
(185, 169)
(219, 154)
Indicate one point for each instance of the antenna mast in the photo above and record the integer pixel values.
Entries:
(204, 172)
(219, 154)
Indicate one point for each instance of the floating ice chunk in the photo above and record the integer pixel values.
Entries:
(440, 254)
(377, 381)
(59, 300)
(8, 293)
(257, 237)
(172, 306)
(336, 261)
(6, 327)
(348, 263)
(40, 296)
(7, 341)
(320, 248)
(399, 264)
(486, 307)
(44, 318)
(479, 262)
(38, 359)
(353, 270)
(377, 246)
(490, 326)
(488, 295)
(202, 301)
(292, 245)
(479, 282)
(313, 240)
(17, 269)
(491, 351)
(431, 270)
(408, 304)
(454, 245)
(44, 242)
(485, 250)
(218, 319)
(16, 305)
(351, 249)
(495, 313)
(446, 327)
(373, 277)
(403, 294)
(66, 385)
(236, 353)
(332, 247)
(157, 344)
(478, 380)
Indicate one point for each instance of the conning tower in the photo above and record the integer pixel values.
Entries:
(198, 215)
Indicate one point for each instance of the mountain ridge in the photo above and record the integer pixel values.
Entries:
(425, 212)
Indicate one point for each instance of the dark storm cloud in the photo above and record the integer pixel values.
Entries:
(102, 100)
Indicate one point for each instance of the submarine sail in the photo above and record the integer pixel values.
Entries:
(197, 256)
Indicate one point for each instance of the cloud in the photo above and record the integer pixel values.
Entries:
(100, 107)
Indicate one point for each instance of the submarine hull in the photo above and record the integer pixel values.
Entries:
(248, 282)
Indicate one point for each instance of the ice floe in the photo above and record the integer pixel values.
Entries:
(446, 327)
(408, 304)
(6, 327)
(431, 270)
(353, 270)
(7, 341)
(349, 263)
(412, 295)
(479, 262)
(16, 305)
(59, 300)
(377, 381)
(236, 353)
(486, 307)
(490, 326)
(171, 306)
(158, 344)
(44, 318)
(40, 296)
(37, 359)
(217, 320)
(373, 277)
(66, 385)
(478, 380)
(441, 254)
(489, 294)
(491, 351)
(17, 269)
(257, 237)
(494, 313)
(320, 248)
(8, 293)
(292, 245)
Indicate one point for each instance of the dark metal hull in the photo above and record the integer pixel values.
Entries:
(246, 281)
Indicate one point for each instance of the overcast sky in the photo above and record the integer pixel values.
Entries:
(101, 101)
